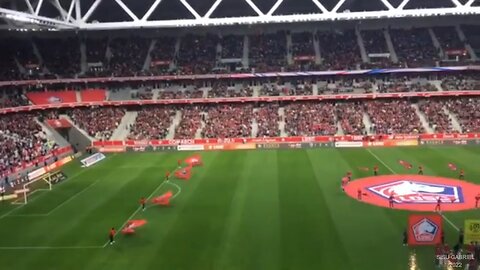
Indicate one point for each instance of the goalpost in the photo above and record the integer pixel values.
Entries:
(42, 183)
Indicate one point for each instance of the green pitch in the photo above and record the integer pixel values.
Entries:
(242, 210)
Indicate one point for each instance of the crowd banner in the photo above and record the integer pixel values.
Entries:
(250, 75)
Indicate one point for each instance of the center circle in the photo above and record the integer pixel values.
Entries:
(415, 192)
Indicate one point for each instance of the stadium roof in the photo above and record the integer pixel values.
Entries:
(125, 14)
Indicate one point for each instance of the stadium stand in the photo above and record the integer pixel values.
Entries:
(190, 123)
(98, 122)
(197, 54)
(310, 119)
(268, 52)
(393, 117)
(152, 123)
(228, 121)
(163, 54)
(414, 47)
(350, 117)
(436, 116)
(267, 119)
(467, 111)
(21, 140)
(61, 56)
(339, 50)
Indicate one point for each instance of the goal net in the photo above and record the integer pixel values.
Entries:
(41, 183)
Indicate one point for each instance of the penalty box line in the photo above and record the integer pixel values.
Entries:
(391, 170)
(148, 198)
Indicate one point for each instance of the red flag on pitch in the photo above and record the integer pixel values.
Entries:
(163, 199)
(452, 166)
(405, 164)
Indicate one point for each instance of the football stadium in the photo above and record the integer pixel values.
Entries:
(240, 134)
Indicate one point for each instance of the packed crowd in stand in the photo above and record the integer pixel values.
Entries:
(339, 50)
(198, 54)
(152, 123)
(162, 55)
(309, 119)
(393, 117)
(214, 53)
(436, 116)
(60, 56)
(268, 52)
(267, 119)
(232, 46)
(376, 49)
(414, 47)
(467, 111)
(228, 121)
(98, 122)
(21, 140)
(190, 123)
(450, 42)
(350, 117)
(128, 56)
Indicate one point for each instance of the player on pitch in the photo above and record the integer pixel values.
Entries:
(111, 235)
(349, 175)
(167, 175)
(462, 174)
(344, 182)
(420, 170)
(375, 170)
(391, 200)
(143, 203)
(438, 207)
(477, 199)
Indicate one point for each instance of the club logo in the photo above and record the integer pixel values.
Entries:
(410, 191)
(425, 230)
(54, 100)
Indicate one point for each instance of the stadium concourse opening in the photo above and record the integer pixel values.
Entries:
(415, 192)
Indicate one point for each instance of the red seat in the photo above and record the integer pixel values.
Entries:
(52, 97)
(90, 95)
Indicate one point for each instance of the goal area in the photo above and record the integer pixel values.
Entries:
(41, 183)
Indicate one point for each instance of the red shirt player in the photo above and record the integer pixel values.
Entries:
(179, 163)
(477, 199)
(375, 170)
(344, 182)
(420, 170)
(167, 175)
(359, 194)
(143, 202)
(438, 206)
(349, 175)
(391, 200)
(111, 235)
(462, 174)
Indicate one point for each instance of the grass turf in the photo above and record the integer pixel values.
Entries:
(274, 209)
